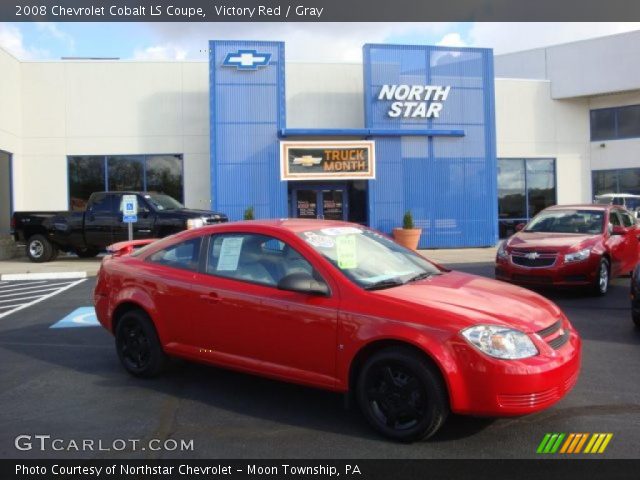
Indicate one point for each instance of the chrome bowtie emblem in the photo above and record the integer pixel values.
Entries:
(247, 60)
(532, 255)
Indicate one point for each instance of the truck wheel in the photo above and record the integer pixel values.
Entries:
(39, 249)
(87, 252)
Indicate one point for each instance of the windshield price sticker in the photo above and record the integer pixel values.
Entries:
(346, 252)
(229, 254)
(334, 231)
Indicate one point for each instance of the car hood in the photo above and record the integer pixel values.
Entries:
(192, 213)
(550, 241)
(473, 299)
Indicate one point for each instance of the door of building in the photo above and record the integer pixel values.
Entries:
(329, 202)
(5, 192)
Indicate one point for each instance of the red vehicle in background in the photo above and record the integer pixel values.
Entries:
(341, 307)
(572, 245)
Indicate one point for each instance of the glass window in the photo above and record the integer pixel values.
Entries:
(125, 173)
(164, 175)
(603, 124)
(627, 219)
(614, 219)
(541, 185)
(184, 255)
(255, 258)
(511, 189)
(101, 203)
(605, 181)
(629, 121)
(86, 175)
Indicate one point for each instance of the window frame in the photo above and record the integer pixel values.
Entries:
(105, 168)
(616, 124)
(204, 263)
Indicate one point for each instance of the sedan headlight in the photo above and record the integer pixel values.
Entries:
(500, 342)
(502, 250)
(577, 256)
(194, 223)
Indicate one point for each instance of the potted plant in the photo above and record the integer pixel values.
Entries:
(408, 236)
(248, 213)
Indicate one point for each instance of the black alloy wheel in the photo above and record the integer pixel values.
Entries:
(138, 346)
(402, 395)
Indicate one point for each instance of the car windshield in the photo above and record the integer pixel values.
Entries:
(160, 201)
(367, 258)
(589, 222)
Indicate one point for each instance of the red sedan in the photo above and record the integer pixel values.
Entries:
(341, 307)
(573, 245)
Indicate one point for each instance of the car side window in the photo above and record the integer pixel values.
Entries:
(101, 203)
(254, 258)
(184, 255)
(614, 219)
(627, 219)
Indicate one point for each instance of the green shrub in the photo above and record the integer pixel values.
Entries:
(248, 213)
(407, 220)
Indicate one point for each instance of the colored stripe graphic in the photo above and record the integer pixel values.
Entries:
(572, 443)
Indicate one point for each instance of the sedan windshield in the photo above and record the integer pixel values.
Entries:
(367, 258)
(590, 222)
(160, 201)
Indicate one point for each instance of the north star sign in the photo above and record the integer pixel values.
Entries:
(414, 101)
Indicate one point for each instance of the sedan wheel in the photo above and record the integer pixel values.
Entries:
(602, 278)
(401, 395)
(138, 346)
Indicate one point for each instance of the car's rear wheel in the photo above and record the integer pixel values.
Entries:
(138, 346)
(601, 284)
(87, 252)
(40, 249)
(402, 395)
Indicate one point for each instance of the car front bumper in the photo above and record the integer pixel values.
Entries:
(495, 387)
(560, 274)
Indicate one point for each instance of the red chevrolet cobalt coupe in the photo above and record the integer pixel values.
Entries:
(341, 307)
(575, 245)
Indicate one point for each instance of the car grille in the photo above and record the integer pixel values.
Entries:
(538, 279)
(556, 341)
(211, 220)
(525, 400)
(541, 260)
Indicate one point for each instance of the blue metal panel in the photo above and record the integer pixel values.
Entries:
(247, 111)
(448, 182)
(368, 132)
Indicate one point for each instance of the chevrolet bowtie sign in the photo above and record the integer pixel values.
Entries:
(414, 101)
(246, 60)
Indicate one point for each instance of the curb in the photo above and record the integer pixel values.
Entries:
(42, 276)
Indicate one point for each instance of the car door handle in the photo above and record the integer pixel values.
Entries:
(211, 297)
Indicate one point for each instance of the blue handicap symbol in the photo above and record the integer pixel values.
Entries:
(80, 317)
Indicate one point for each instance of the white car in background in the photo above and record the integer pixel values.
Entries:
(628, 200)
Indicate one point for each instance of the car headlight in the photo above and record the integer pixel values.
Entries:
(502, 250)
(577, 256)
(194, 223)
(500, 342)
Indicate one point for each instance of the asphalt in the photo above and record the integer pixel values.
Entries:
(68, 383)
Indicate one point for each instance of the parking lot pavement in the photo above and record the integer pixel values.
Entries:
(17, 295)
(64, 263)
(67, 383)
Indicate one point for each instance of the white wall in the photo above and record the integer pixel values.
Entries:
(615, 153)
(10, 109)
(530, 124)
(95, 107)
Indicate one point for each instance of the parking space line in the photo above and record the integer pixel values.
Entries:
(43, 276)
(10, 284)
(44, 297)
(14, 288)
(19, 299)
(2, 307)
(2, 295)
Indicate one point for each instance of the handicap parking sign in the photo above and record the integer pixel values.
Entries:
(80, 317)
(129, 208)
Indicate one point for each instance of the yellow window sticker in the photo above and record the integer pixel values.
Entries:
(346, 251)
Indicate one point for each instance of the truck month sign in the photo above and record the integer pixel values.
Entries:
(327, 161)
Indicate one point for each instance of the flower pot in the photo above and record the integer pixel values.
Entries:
(407, 237)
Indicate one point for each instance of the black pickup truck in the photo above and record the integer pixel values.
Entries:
(88, 232)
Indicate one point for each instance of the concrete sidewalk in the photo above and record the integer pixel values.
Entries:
(72, 263)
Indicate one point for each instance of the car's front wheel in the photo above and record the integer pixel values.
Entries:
(138, 346)
(601, 284)
(402, 395)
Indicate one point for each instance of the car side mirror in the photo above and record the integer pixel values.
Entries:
(520, 226)
(618, 230)
(303, 283)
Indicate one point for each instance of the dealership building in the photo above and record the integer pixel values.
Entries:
(470, 143)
